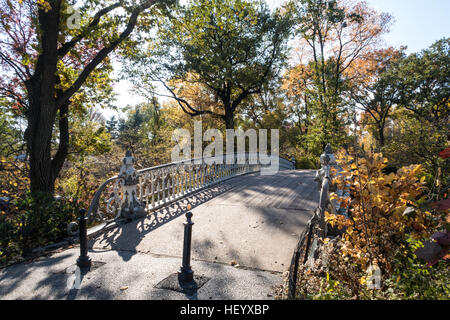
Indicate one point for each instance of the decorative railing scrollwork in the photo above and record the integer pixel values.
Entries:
(134, 193)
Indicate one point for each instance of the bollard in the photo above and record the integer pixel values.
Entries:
(186, 274)
(84, 262)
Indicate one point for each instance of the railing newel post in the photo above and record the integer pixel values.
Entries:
(327, 159)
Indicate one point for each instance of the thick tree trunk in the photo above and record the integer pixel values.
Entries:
(229, 113)
(46, 100)
(38, 137)
(229, 120)
(42, 100)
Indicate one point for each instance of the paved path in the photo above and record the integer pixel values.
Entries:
(253, 221)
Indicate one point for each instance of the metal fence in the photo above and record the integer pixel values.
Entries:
(133, 193)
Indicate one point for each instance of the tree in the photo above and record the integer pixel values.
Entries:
(333, 35)
(112, 127)
(424, 85)
(48, 55)
(232, 48)
(10, 135)
(374, 88)
(144, 132)
(88, 140)
(298, 85)
(414, 141)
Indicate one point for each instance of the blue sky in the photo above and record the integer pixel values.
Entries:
(417, 24)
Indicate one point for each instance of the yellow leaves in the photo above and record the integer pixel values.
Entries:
(336, 220)
(382, 222)
(330, 218)
(333, 196)
(377, 208)
(417, 169)
(12, 180)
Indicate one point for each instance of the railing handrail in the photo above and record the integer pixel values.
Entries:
(224, 155)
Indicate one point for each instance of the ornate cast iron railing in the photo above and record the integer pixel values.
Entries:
(134, 193)
(324, 179)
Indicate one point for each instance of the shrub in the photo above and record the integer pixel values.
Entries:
(412, 279)
(389, 219)
(384, 209)
(307, 162)
(33, 221)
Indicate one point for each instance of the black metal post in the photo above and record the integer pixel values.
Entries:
(84, 262)
(186, 274)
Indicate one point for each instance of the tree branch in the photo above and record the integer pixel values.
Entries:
(184, 103)
(102, 54)
(20, 73)
(65, 48)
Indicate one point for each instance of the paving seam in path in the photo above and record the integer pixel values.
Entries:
(160, 255)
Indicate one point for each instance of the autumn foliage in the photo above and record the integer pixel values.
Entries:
(13, 178)
(383, 209)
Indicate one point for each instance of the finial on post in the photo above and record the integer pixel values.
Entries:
(327, 158)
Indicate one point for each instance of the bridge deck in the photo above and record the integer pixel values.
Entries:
(254, 220)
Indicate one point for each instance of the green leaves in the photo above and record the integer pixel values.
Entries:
(423, 82)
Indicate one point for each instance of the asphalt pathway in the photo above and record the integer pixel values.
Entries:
(245, 231)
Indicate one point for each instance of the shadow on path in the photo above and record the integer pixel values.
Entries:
(131, 234)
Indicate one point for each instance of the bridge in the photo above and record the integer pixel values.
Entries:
(247, 225)
(242, 217)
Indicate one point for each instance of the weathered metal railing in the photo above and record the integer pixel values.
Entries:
(316, 230)
(134, 193)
